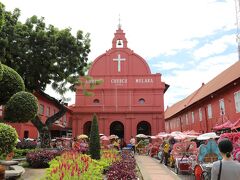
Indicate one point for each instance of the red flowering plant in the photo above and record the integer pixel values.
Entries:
(74, 165)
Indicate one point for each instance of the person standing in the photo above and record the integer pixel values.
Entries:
(133, 142)
(226, 169)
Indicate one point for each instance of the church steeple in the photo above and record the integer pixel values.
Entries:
(119, 22)
(119, 40)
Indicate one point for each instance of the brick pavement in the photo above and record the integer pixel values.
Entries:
(151, 169)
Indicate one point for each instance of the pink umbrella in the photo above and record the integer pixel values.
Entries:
(104, 138)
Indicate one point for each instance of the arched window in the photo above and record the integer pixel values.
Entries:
(141, 101)
(96, 101)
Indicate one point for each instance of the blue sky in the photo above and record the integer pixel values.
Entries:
(187, 41)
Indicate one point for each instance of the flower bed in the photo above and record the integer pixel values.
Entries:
(123, 169)
(41, 158)
(74, 165)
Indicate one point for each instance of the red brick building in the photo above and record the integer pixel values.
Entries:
(129, 100)
(46, 108)
(212, 104)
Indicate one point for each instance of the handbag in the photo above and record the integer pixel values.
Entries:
(220, 170)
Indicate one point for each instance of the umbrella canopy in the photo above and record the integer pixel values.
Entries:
(153, 137)
(192, 132)
(162, 135)
(113, 136)
(104, 138)
(206, 136)
(178, 135)
(82, 136)
(226, 125)
(141, 136)
(236, 124)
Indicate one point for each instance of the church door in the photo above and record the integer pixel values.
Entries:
(117, 128)
(87, 128)
(144, 127)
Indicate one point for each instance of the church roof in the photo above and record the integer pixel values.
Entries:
(119, 60)
(220, 81)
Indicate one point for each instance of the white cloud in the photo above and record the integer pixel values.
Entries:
(152, 28)
(167, 66)
(215, 47)
(184, 82)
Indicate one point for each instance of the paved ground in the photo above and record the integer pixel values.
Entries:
(153, 170)
(150, 169)
(33, 174)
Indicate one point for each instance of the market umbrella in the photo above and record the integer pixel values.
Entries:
(104, 138)
(206, 136)
(141, 136)
(162, 135)
(82, 136)
(153, 137)
(113, 136)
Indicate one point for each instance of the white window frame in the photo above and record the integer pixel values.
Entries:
(209, 111)
(222, 107)
(48, 111)
(193, 117)
(200, 114)
(41, 109)
(186, 117)
(237, 101)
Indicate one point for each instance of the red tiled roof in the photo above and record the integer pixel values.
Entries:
(226, 77)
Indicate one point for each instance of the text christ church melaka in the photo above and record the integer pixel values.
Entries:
(129, 100)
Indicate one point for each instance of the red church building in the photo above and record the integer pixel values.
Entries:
(213, 104)
(129, 100)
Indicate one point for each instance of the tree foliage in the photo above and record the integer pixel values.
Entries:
(1, 15)
(43, 54)
(10, 84)
(8, 138)
(1, 71)
(94, 146)
(22, 107)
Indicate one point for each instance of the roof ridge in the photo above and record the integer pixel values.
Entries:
(195, 93)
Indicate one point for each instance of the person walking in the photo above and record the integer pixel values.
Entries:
(225, 169)
(133, 142)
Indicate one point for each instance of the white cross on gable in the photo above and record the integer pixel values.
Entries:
(119, 59)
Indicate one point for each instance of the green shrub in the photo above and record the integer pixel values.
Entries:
(94, 147)
(20, 153)
(22, 107)
(8, 138)
(10, 84)
(1, 71)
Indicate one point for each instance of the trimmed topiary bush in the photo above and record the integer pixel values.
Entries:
(22, 107)
(10, 84)
(94, 147)
(8, 138)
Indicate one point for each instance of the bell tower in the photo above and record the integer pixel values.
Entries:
(119, 40)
